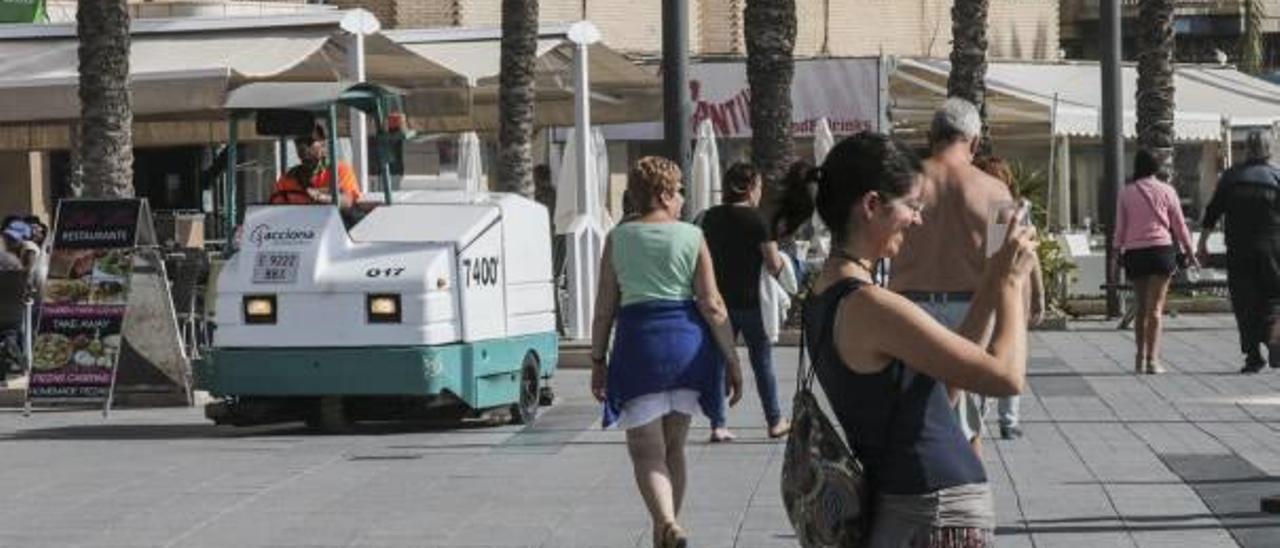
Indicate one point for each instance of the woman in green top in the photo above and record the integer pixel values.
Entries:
(658, 290)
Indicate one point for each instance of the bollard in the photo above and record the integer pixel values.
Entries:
(28, 355)
(27, 327)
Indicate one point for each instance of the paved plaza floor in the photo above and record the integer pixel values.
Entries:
(1108, 459)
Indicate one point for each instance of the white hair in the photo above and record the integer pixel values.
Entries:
(956, 116)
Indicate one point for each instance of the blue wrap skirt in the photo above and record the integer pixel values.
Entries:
(660, 346)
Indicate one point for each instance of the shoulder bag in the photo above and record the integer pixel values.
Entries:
(825, 489)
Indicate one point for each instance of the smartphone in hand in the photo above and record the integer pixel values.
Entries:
(1001, 216)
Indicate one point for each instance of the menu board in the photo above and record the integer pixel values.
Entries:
(78, 336)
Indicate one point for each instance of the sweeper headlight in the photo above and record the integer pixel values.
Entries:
(260, 309)
(383, 308)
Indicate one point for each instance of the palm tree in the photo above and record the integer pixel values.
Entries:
(968, 76)
(1251, 39)
(106, 112)
(516, 95)
(770, 30)
(1155, 80)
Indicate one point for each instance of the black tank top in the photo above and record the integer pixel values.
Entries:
(899, 422)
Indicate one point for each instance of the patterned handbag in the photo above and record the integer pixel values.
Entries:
(824, 487)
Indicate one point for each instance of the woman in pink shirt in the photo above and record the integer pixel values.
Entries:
(1148, 221)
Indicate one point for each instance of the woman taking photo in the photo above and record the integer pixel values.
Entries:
(658, 297)
(883, 362)
(1148, 220)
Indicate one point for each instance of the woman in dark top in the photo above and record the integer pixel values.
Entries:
(883, 362)
(793, 220)
(740, 247)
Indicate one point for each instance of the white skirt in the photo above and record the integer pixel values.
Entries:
(642, 410)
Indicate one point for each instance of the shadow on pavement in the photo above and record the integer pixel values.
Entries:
(1214, 481)
(147, 432)
(143, 432)
(1106, 524)
(1079, 374)
(1099, 327)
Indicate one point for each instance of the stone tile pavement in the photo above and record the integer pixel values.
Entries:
(1109, 459)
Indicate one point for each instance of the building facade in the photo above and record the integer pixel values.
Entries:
(1206, 31)
(1019, 29)
(62, 11)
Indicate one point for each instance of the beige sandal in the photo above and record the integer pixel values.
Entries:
(722, 435)
(673, 536)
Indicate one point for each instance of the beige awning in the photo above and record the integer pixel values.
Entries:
(621, 90)
(182, 70)
(1021, 95)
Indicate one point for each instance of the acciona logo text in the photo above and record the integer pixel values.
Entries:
(264, 234)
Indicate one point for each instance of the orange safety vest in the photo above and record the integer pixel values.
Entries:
(289, 191)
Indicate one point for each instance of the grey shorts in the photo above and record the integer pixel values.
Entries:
(962, 517)
(950, 309)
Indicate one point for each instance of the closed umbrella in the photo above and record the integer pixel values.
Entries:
(704, 181)
(470, 166)
(567, 188)
(823, 141)
(601, 149)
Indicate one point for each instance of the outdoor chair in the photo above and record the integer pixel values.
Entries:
(187, 271)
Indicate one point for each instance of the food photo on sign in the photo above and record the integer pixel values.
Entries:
(76, 350)
(56, 350)
(110, 276)
(88, 276)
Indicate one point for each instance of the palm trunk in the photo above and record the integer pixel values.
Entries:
(516, 96)
(770, 30)
(968, 77)
(1251, 39)
(75, 172)
(106, 113)
(1155, 80)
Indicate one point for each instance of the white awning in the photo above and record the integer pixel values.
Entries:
(621, 91)
(182, 69)
(1023, 93)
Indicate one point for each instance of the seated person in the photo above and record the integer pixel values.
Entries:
(314, 171)
(18, 252)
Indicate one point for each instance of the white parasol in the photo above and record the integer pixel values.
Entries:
(567, 188)
(470, 165)
(823, 141)
(704, 179)
(601, 149)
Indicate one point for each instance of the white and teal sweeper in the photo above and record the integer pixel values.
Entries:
(442, 299)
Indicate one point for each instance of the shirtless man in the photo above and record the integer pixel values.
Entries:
(942, 260)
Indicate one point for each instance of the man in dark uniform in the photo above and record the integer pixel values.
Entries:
(1248, 196)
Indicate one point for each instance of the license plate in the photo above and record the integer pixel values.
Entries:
(276, 267)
